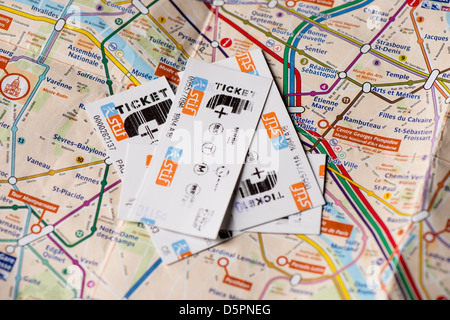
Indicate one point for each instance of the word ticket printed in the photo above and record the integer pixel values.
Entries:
(190, 181)
(136, 115)
(277, 180)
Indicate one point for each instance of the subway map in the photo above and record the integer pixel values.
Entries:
(367, 82)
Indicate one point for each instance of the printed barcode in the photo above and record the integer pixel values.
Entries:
(247, 188)
(236, 104)
(156, 112)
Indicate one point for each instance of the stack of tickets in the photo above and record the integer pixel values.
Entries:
(219, 158)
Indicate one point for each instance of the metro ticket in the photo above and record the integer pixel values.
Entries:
(200, 155)
(135, 115)
(277, 179)
(173, 246)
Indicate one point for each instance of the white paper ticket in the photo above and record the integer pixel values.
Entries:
(136, 115)
(201, 150)
(138, 159)
(305, 222)
(277, 179)
(173, 246)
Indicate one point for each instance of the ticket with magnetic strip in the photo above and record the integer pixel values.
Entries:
(201, 150)
(277, 179)
(135, 115)
(173, 246)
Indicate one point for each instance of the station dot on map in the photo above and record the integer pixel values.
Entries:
(429, 237)
(282, 261)
(272, 4)
(367, 87)
(10, 249)
(108, 161)
(295, 279)
(342, 75)
(12, 180)
(214, 44)
(290, 3)
(223, 262)
(36, 228)
(218, 3)
(366, 48)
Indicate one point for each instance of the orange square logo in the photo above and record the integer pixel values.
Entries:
(322, 169)
(166, 173)
(246, 63)
(301, 196)
(272, 125)
(117, 127)
(193, 102)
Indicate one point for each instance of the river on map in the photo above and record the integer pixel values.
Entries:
(96, 22)
(346, 257)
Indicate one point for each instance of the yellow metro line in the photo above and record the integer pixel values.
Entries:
(108, 54)
(86, 33)
(370, 193)
(53, 172)
(331, 264)
(179, 46)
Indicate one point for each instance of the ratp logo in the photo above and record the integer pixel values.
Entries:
(169, 167)
(195, 96)
(114, 121)
(181, 249)
(274, 130)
